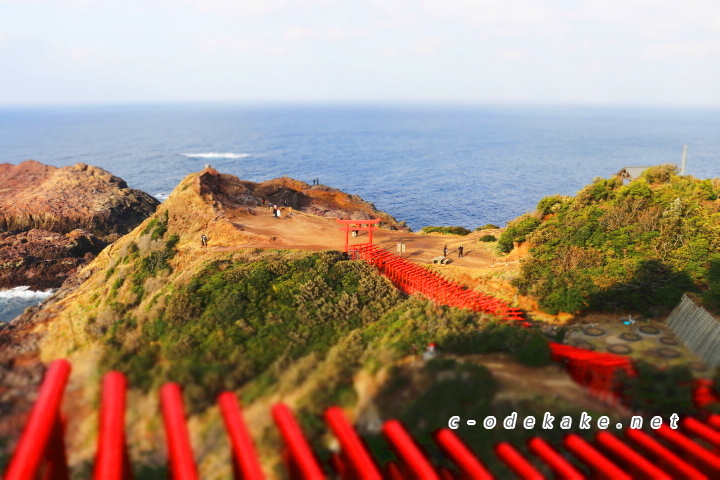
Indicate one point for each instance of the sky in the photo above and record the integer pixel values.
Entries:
(546, 52)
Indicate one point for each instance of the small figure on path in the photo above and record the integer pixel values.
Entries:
(203, 240)
(430, 351)
(263, 201)
(285, 202)
(445, 251)
(460, 251)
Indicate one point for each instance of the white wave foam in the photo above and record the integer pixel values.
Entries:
(15, 300)
(24, 293)
(216, 155)
(161, 197)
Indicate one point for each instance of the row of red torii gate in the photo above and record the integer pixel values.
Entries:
(692, 452)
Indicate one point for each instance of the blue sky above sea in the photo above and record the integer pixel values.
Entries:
(549, 52)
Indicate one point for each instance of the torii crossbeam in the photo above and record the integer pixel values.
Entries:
(357, 225)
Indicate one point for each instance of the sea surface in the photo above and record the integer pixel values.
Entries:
(428, 165)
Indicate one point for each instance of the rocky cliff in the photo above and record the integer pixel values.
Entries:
(137, 277)
(318, 200)
(53, 220)
(37, 196)
(41, 259)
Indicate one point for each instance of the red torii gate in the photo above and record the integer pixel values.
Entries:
(358, 225)
(687, 453)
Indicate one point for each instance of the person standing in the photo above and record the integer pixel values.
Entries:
(203, 240)
(445, 251)
(460, 251)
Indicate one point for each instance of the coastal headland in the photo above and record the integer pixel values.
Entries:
(269, 309)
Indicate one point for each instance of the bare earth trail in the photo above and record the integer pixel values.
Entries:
(310, 232)
(296, 230)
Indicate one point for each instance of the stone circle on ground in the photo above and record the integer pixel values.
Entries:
(593, 331)
(619, 348)
(667, 352)
(697, 366)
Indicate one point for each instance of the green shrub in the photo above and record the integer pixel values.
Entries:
(545, 206)
(446, 230)
(488, 238)
(634, 247)
(657, 391)
(220, 334)
(516, 231)
(529, 346)
(487, 226)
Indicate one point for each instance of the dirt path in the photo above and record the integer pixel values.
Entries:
(296, 230)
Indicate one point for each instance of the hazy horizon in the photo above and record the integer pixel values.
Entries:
(344, 52)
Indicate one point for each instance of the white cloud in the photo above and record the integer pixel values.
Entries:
(338, 34)
(427, 46)
(228, 44)
(510, 54)
(690, 49)
(392, 52)
(299, 34)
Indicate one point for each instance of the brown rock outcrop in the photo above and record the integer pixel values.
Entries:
(318, 200)
(41, 259)
(37, 196)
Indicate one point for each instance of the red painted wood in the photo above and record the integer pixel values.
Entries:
(562, 469)
(662, 456)
(41, 426)
(110, 463)
(300, 453)
(181, 462)
(407, 451)
(632, 461)
(597, 462)
(699, 429)
(517, 463)
(243, 451)
(468, 464)
(359, 463)
(704, 460)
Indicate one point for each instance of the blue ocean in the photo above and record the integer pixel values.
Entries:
(428, 165)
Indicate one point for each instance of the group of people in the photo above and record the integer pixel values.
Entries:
(460, 251)
(276, 211)
(316, 181)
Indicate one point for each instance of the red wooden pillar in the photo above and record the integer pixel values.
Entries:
(300, 459)
(597, 462)
(562, 469)
(358, 463)
(633, 462)
(42, 438)
(468, 464)
(412, 459)
(111, 461)
(245, 461)
(662, 456)
(519, 464)
(181, 462)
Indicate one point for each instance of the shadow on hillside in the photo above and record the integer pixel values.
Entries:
(654, 290)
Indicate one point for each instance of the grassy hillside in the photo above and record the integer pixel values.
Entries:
(613, 246)
(312, 329)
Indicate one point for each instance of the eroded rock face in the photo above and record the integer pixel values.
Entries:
(318, 200)
(41, 259)
(37, 196)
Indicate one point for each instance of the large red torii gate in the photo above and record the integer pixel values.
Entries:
(358, 226)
